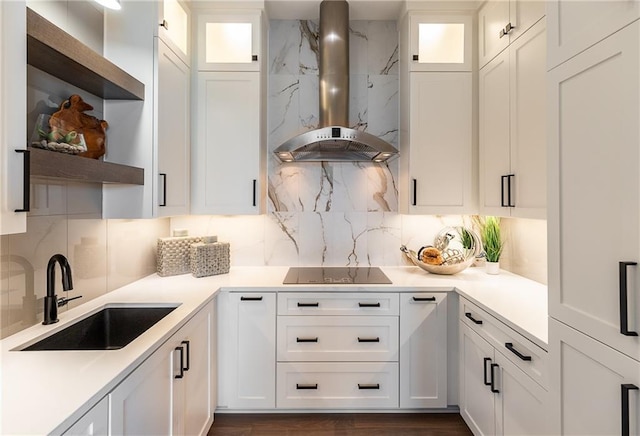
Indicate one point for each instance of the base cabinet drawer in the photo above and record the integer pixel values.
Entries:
(332, 303)
(348, 385)
(337, 338)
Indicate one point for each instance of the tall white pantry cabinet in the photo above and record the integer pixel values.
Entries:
(594, 216)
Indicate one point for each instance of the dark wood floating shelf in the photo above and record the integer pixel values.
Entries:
(45, 163)
(54, 51)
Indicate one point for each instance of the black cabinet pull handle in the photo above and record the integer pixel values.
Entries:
(487, 382)
(368, 339)
(164, 24)
(308, 304)
(371, 386)
(415, 193)
(415, 57)
(625, 388)
(164, 190)
(368, 304)
(502, 202)
(181, 350)
(509, 202)
(624, 320)
(254, 57)
(508, 28)
(475, 321)
(186, 343)
(301, 386)
(493, 378)
(306, 339)
(424, 298)
(251, 298)
(26, 179)
(255, 190)
(510, 347)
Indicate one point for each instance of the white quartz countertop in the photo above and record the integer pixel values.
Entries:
(47, 391)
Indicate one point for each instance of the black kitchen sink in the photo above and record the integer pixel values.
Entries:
(111, 328)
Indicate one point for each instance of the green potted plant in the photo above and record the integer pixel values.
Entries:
(492, 241)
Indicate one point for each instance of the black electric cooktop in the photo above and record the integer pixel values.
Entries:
(335, 275)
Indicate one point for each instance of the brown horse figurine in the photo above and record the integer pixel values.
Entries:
(71, 117)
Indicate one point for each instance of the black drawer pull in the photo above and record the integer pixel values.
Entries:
(502, 202)
(486, 376)
(372, 386)
(306, 339)
(251, 298)
(415, 193)
(493, 378)
(625, 388)
(163, 203)
(624, 320)
(26, 180)
(368, 339)
(475, 321)
(181, 350)
(186, 343)
(510, 347)
(369, 304)
(308, 304)
(299, 386)
(424, 298)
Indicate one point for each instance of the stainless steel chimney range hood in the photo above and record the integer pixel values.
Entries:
(333, 141)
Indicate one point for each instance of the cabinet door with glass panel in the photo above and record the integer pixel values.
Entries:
(174, 27)
(440, 43)
(229, 41)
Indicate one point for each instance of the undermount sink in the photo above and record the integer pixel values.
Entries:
(111, 328)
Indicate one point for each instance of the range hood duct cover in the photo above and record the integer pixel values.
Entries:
(333, 141)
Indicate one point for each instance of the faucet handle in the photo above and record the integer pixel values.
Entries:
(63, 301)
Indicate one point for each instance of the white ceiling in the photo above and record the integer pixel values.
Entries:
(362, 9)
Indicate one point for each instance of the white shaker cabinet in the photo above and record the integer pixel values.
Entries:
(423, 350)
(173, 138)
(93, 423)
(502, 377)
(577, 25)
(170, 392)
(594, 389)
(501, 22)
(512, 129)
(594, 143)
(246, 350)
(157, 130)
(437, 145)
(228, 155)
(14, 176)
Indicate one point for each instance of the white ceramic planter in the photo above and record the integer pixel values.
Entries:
(492, 267)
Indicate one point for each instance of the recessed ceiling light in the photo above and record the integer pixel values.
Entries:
(111, 4)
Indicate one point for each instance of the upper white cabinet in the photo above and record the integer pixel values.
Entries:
(576, 25)
(156, 130)
(594, 146)
(173, 138)
(423, 345)
(501, 22)
(440, 42)
(230, 41)
(14, 182)
(228, 154)
(174, 19)
(512, 129)
(437, 145)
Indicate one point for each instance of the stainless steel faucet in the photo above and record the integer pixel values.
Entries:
(51, 302)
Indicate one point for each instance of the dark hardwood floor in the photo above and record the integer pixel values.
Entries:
(338, 424)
